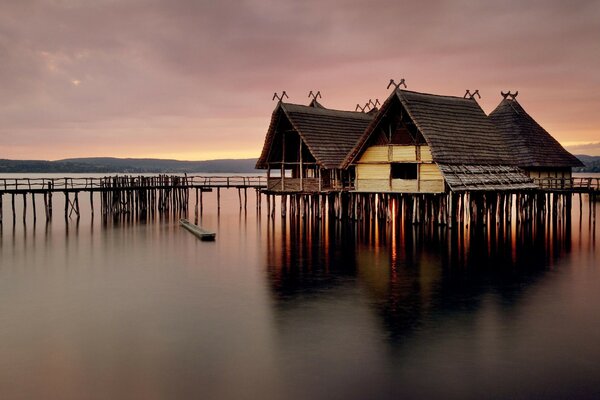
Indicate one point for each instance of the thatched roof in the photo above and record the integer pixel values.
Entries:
(531, 145)
(485, 178)
(328, 134)
(456, 129)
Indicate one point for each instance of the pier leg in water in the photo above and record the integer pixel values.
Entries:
(66, 205)
(33, 204)
(1, 196)
(92, 202)
(24, 207)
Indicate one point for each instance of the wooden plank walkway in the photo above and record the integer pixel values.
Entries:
(574, 185)
(127, 195)
(111, 183)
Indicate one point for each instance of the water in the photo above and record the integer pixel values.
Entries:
(299, 310)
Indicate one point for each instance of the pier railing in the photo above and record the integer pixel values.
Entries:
(114, 182)
(587, 184)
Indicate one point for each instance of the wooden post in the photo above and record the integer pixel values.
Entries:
(92, 202)
(66, 204)
(24, 207)
(33, 204)
(218, 198)
(282, 161)
(77, 203)
(13, 207)
(301, 172)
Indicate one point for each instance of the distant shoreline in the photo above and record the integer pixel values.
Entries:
(127, 165)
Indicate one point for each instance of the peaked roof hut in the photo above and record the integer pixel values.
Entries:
(311, 141)
(530, 144)
(453, 133)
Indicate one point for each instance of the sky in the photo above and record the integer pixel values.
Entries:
(194, 80)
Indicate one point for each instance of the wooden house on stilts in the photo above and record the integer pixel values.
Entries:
(425, 143)
(305, 147)
(426, 157)
(532, 147)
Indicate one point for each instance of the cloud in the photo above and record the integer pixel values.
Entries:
(85, 70)
(592, 149)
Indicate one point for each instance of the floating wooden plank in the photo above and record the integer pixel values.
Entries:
(203, 234)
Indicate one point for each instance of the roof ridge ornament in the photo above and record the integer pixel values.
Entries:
(508, 94)
(397, 85)
(375, 103)
(362, 109)
(280, 97)
(314, 95)
(471, 95)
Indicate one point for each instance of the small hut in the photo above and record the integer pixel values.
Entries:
(533, 148)
(425, 143)
(305, 147)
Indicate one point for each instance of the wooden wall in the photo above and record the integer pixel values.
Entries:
(548, 178)
(373, 170)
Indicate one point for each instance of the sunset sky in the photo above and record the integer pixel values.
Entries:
(194, 79)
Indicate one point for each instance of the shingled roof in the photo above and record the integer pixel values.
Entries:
(456, 129)
(485, 178)
(328, 134)
(531, 145)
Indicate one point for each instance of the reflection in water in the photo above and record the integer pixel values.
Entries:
(297, 308)
(411, 272)
(440, 298)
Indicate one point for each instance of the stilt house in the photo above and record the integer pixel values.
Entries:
(425, 143)
(305, 147)
(532, 147)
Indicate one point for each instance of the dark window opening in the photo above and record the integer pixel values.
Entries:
(404, 171)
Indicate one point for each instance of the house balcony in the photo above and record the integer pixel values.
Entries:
(293, 185)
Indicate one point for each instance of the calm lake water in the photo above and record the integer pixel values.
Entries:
(295, 309)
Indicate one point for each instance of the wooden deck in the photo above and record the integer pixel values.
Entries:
(574, 184)
(126, 195)
(45, 185)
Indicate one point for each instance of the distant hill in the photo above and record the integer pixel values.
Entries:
(592, 163)
(128, 165)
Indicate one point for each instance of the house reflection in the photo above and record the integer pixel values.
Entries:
(409, 276)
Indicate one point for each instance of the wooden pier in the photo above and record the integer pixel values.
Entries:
(139, 196)
(148, 196)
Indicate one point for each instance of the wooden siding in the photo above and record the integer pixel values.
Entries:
(404, 153)
(372, 185)
(373, 171)
(426, 154)
(375, 154)
(405, 185)
(430, 172)
(433, 186)
(396, 153)
(536, 174)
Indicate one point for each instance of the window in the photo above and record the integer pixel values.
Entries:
(403, 171)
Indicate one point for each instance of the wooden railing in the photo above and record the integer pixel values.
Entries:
(574, 183)
(114, 182)
(293, 185)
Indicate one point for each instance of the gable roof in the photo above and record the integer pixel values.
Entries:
(531, 145)
(456, 129)
(328, 134)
